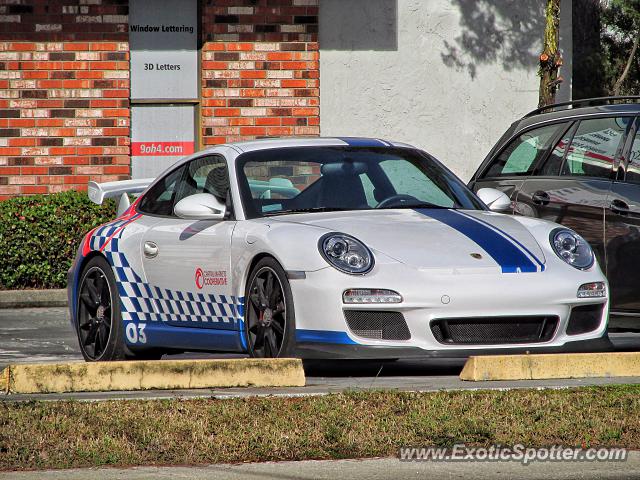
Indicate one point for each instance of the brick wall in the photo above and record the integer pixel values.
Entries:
(260, 73)
(64, 84)
(64, 94)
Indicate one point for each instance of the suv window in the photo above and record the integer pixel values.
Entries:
(521, 155)
(159, 200)
(595, 146)
(205, 175)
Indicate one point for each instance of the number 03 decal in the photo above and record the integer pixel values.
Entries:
(135, 333)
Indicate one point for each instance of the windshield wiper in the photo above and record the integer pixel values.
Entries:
(306, 210)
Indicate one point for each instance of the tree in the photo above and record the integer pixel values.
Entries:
(550, 58)
(621, 38)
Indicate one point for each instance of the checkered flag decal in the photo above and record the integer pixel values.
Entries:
(142, 302)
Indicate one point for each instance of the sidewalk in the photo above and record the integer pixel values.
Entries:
(33, 298)
(373, 469)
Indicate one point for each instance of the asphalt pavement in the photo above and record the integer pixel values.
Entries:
(45, 335)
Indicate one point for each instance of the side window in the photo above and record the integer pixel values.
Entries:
(407, 179)
(552, 165)
(595, 146)
(205, 175)
(521, 155)
(159, 200)
(633, 170)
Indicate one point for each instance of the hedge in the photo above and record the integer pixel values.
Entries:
(39, 236)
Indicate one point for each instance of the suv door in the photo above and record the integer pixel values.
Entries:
(508, 170)
(572, 185)
(622, 231)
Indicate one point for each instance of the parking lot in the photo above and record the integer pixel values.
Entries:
(45, 335)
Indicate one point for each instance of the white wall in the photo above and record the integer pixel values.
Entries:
(448, 76)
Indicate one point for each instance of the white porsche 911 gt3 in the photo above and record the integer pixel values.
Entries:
(327, 247)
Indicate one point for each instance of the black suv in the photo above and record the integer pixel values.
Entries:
(578, 164)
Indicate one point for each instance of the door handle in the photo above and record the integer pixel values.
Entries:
(150, 249)
(619, 207)
(541, 198)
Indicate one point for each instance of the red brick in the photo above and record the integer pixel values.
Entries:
(253, 74)
(252, 131)
(268, 121)
(279, 56)
(34, 189)
(34, 170)
(227, 112)
(76, 179)
(278, 131)
(287, 83)
(22, 142)
(62, 150)
(116, 169)
(35, 74)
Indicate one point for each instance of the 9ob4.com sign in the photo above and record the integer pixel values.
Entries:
(160, 135)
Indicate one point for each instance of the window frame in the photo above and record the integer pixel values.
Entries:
(618, 155)
(623, 163)
(185, 165)
(555, 139)
(250, 212)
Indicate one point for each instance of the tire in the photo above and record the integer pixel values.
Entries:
(269, 315)
(99, 325)
(98, 314)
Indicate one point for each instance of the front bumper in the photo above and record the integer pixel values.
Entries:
(428, 296)
(312, 351)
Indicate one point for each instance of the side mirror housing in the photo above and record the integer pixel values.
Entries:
(496, 200)
(201, 206)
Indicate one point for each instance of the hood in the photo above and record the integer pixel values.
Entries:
(440, 239)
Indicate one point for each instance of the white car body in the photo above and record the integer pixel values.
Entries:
(445, 264)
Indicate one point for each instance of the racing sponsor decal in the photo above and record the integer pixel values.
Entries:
(210, 278)
(509, 253)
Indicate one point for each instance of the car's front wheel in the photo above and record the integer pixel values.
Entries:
(269, 318)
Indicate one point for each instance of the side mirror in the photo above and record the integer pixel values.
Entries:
(496, 200)
(201, 206)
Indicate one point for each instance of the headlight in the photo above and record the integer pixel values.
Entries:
(572, 248)
(346, 253)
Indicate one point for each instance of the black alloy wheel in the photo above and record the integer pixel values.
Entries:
(269, 313)
(99, 320)
(95, 313)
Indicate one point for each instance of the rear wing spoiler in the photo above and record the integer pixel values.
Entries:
(97, 192)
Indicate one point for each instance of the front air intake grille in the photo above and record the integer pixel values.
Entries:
(585, 318)
(494, 330)
(377, 325)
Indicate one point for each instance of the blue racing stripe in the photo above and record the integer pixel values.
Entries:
(510, 257)
(363, 142)
(323, 336)
(538, 261)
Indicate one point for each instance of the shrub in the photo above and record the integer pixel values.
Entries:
(39, 236)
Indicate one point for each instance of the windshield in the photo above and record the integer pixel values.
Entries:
(307, 179)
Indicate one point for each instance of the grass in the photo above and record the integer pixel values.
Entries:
(66, 434)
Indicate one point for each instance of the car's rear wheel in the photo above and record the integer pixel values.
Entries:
(269, 319)
(99, 325)
(98, 316)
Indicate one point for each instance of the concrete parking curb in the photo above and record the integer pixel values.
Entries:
(148, 375)
(33, 298)
(547, 366)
